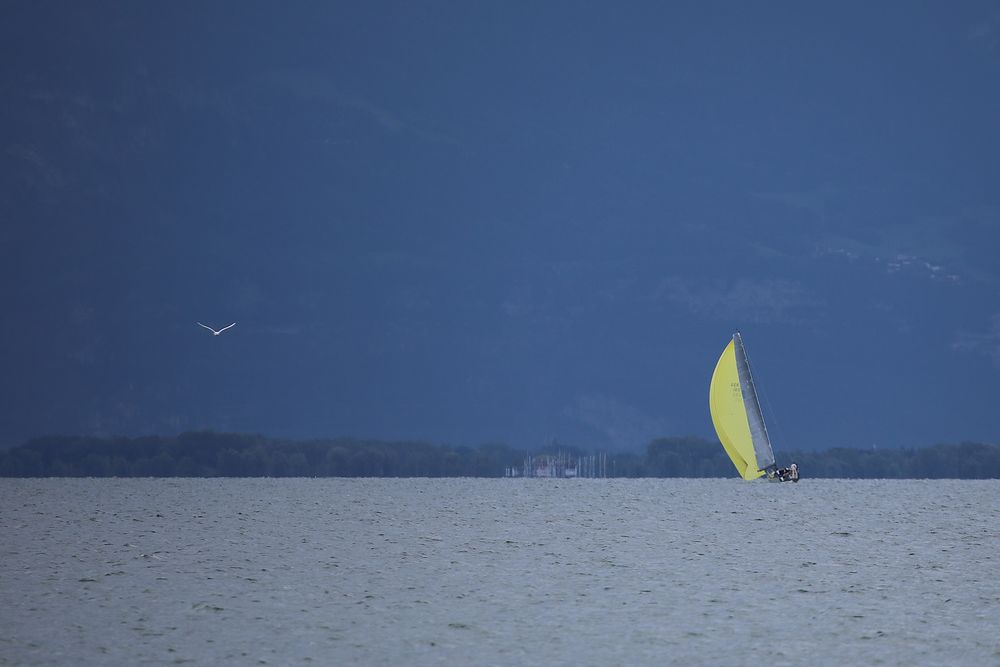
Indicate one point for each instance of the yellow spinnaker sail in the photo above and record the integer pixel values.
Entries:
(729, 414)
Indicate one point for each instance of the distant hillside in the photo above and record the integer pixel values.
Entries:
(210, 454)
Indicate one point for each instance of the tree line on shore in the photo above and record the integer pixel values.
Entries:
(212, 454)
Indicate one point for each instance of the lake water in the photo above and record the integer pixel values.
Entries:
(498, 572)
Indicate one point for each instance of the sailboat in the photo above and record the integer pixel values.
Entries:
(739, 423)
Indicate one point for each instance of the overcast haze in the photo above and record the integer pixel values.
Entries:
(469, 222)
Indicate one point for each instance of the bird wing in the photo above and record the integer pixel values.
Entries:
(206, 326)
(229, 327)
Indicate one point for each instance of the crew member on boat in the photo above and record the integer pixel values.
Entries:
(789, 474)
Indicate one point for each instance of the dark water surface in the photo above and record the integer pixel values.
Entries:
(505, 572)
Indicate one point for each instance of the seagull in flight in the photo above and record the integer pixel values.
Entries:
(214, 332)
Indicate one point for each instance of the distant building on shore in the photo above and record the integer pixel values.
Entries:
(561, 466)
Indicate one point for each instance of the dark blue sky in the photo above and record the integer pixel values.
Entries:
(468, 221)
